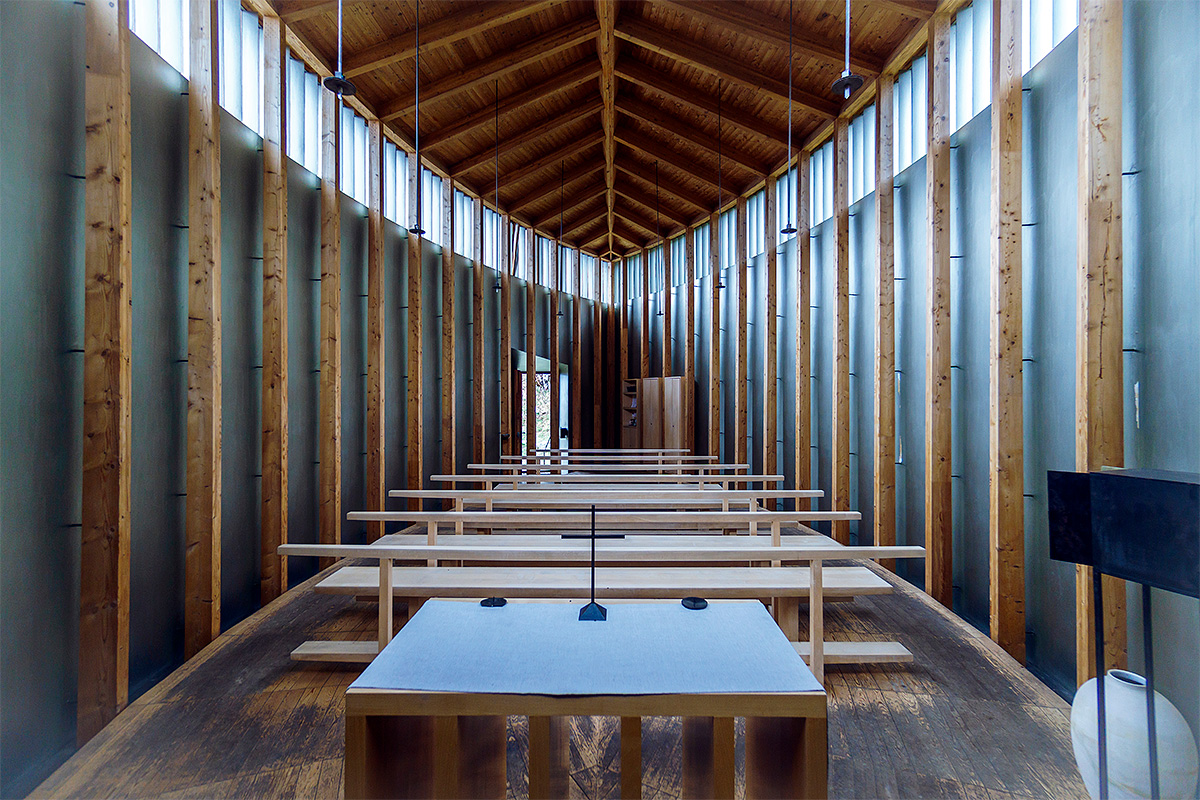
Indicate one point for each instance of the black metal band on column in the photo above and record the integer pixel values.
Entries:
(1101, 717)
(1151, 726)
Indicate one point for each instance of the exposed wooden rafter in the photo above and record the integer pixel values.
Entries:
(576, 198)
(666, 186)
(535, 166)
(699, 57)
(552, 124)
(453, 27)
(744, 20)
(582, 72)
(636, 72)
(489, 68)
(689, 133)
(667, 155)
(630, 192)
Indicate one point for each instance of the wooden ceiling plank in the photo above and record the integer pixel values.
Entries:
(771, 30)
(630, 192)
(530, 135)
(917, 9)
(668, 187)
(503, 62)
(667, 155)
(580, 73)
(551, 185)
(606, 50)
(677, 127)
(654, 81)
(554, 156)
(447, 30)
(697, 56)
(587, 217)
(578, 198)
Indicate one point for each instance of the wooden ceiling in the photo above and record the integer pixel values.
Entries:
(593, 95)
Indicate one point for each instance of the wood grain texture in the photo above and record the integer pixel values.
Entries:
(103, 678)
(1006, 485)
(478, 379)
(884, 394)
(329, 446)
(449, 368)
(273, 580)
(938, 511)
(1099, 380)
(741, 377)
(714, 335)
(771, 334)
(803, 327)
(202, 593)
(508, 436)
(375, 484)
(840, 398)
(224, 725)
(531, 304)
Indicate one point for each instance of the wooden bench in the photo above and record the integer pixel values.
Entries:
(787, 585)
(700, 481)
(632, 469)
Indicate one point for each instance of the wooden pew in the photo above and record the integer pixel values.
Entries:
(787, 585)
(585, 481)
(631, 469)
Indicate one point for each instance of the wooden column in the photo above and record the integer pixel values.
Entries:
(689, 330)
(202, 590)
(1006, 506)
(449, 366)
(508, 437)
(555, 310)
(884, 488)
(416, 364)
(644, 350)
(840, 399)
(376, 479)
(108, 339)
(714, 352)
(740, 375)
(577, 355)
(530, 341)
(598, 331)
(478, 383)
(666, 339)
(771, 338)
(273, 573)
(1099, 382)
(329, 446)
(803, 330)
(938, 514)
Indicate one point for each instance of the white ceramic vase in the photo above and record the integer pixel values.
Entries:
(1128, 742)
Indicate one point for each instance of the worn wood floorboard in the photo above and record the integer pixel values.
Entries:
(242, 720)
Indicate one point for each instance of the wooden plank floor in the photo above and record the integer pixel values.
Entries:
(242, 720)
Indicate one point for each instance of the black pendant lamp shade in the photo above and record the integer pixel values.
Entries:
(849, 82)
(337, 82)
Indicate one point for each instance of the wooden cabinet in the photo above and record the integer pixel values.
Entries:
(655, 413)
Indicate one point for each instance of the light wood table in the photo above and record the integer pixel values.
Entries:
(427, 717)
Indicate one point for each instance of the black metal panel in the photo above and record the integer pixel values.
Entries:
(1146, 527)
(1069, 501)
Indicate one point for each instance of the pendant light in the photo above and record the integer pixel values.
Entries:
(849, 83)
(499, 233)
(790, 226)
(416, 227)
(718, 278)
(562, 186)
(337, 82)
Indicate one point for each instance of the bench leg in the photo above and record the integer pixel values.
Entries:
(816, 620)
(788, 617)
(631, 758)
(709, 767)
(385, 602)
(786, 757)
(549, 767)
